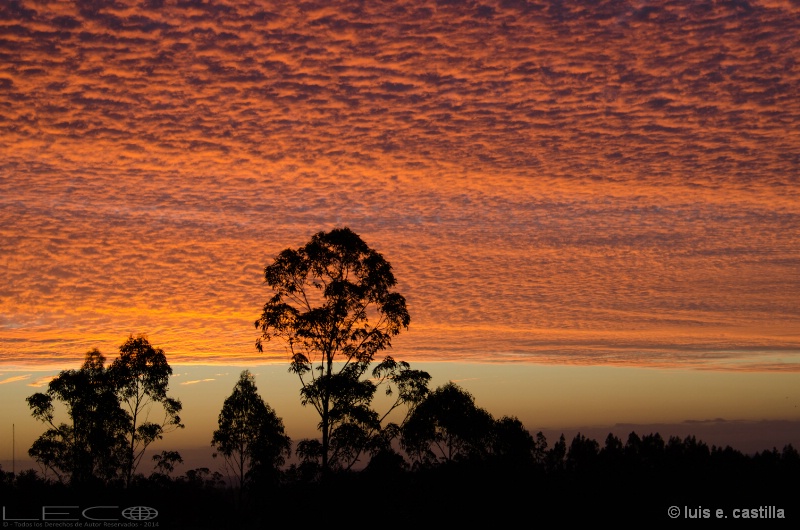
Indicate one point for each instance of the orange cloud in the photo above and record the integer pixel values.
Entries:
(14, 379)
(42, 381)
(605, 183)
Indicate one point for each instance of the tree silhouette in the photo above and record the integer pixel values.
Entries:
(165, 463)
(141, 379)
(334, 309)
(583, 453)
(612, 453)
(447, 426)
(512, 443)
(92, 446)
(540, 450)
(109, 410)
(555, 458)
(250, 436)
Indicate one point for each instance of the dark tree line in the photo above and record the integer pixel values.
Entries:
(334, 310)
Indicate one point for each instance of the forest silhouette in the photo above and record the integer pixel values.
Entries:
(334, 311)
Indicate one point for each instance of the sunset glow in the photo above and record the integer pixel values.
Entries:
(609, 183)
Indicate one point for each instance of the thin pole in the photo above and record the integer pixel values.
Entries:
(13, 450)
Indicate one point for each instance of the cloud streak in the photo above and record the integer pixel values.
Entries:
(196, 381)
(14, 379)
(41, 381)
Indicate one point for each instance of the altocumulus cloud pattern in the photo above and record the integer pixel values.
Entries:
(582, 182)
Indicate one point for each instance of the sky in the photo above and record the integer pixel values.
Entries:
(597, 185)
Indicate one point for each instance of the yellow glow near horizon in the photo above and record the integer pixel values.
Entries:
(751, 411)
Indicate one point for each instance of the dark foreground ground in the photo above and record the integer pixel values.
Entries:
(460, 494)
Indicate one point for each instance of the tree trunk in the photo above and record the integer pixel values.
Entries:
(325, 440)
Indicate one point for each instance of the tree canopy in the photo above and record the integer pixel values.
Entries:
(250, 436)
(141, 378)
(447, 426)
(91, 446)
(109, 410)
(334, 310)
